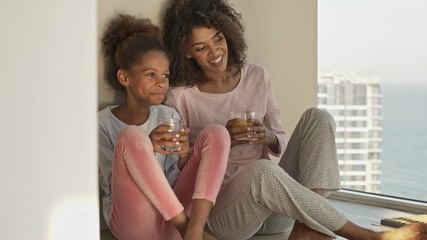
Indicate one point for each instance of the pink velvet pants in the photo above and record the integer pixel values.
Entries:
(142, 198)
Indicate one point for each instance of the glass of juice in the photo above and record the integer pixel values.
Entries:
(243, 119)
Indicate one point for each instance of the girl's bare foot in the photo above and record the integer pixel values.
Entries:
(207, 236)
(300, 231)
(415, 231)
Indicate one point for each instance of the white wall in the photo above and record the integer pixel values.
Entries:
(49, 100)
(48, 145)
(282, 37)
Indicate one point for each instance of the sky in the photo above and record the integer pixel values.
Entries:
(387, 38)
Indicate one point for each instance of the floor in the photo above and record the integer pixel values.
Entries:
(364, 215)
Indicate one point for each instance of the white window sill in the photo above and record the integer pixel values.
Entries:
(380, 200)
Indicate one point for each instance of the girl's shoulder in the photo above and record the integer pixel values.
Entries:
(106, 114)
(163, 111)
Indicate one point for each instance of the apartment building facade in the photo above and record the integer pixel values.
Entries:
(355, 102)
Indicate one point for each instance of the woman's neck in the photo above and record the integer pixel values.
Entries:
(219, 83)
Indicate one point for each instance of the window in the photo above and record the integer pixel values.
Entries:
(372, 66)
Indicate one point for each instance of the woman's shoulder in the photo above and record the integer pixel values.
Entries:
(253, 68)
(255, 73)
(179, 94)
(181, 90)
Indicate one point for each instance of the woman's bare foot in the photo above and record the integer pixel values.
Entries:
(300, 231)
(415, 231)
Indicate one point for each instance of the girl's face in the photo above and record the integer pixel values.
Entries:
(208, 47)
(147, 82)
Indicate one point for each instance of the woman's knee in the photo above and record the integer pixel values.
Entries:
(276, 223)
(261, 168)
(320, 116)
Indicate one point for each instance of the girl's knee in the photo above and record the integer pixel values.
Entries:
(217, 132)
(215, 129)
(131, 134)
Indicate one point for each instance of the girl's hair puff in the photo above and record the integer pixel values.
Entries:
(181, 17)
(125, 41)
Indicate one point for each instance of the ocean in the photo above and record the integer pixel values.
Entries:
(404, 141)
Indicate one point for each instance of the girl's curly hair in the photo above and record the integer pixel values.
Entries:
(125, 41)
(181, 17)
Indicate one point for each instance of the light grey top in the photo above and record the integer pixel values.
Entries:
(108, 128)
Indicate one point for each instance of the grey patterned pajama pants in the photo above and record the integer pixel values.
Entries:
(265, 198)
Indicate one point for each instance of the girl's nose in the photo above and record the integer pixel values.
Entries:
(161, 81)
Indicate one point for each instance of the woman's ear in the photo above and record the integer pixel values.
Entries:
(187, 55)
(122, 77)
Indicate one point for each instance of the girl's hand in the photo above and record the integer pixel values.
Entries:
(183, 150)
(166, 142)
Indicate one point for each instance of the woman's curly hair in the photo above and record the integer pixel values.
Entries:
(181, 17)
(125, 41)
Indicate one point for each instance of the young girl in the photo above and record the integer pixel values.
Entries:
(149, 192)
(210, 80)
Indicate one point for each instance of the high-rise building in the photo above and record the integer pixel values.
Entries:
(355, 102)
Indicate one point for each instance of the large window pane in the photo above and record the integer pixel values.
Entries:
(373, 80)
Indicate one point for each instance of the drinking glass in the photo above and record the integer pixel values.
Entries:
(176, 125)
(243, 119)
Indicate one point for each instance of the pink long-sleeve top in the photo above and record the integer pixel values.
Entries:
(253, 93)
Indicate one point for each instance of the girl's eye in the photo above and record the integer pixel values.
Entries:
(151, 74)
(166, 76)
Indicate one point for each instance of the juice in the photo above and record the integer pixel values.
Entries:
(243, 123)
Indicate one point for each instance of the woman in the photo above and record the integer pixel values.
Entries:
(210, 79)
(149, 191)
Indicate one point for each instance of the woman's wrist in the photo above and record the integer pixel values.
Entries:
(273, 142)
(271, 138)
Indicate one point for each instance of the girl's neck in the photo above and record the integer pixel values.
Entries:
(132, 114)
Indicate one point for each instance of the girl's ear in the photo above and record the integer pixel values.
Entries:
(122, 77)
(187, 55)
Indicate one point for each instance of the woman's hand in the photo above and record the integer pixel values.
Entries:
(253, 132)
(169, 143)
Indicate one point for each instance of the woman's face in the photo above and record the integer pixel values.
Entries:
(148, 81)
(208, 47)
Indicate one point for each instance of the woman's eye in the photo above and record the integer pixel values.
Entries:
(218, 39)
(166, 76)
(198, 49)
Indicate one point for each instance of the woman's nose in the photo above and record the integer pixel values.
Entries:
(212, 50)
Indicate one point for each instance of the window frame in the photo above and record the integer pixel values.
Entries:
(380, 200)
(374, 199)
